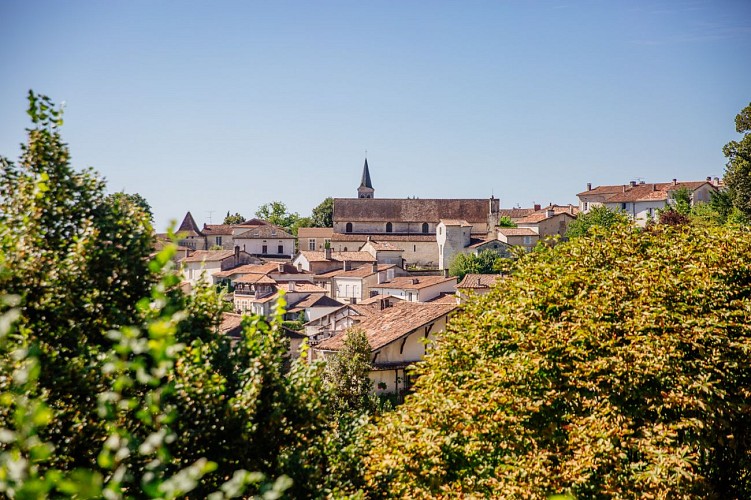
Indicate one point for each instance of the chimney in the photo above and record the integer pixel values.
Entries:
(550, 212)
(571, 209)
(327, 253)
(237, 255)
(675, 182)
(280, 267)
(654, 187)
(445, 273)
(633, 183)
(709, 178)
(415, 281)
(346, 265)
(375, 267)
(589, 186)
(641, 182)
(624, 188)
(537, 207)
(291, 286)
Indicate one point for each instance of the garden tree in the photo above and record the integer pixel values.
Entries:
(738, 168)
(347, 373)
(610, 366)
(485, 262)
(276, 213)
(599, 216)
(233, 219)
(301, 222)
(136, 199)
(672, 217)
(78, 260)
(323, 214)
(120, 374)
(681, 199)
(505, 221)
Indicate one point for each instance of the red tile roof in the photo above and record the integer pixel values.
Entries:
(414, 282)
(410, 210)
(364, 271)
(642, 192)
(479, 280)
(315, 232)
(390, 324)
(208, 256)
(312, 256)
(517, 231)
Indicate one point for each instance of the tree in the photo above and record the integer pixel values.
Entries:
(323, 214)
(681, 199)
(233, 219)
(485, 262)
(610, 366)
(598, 216)
(738, 168)
(135, 199)
(505, 221)
(276, 213)
(347, 373)
(113, 379)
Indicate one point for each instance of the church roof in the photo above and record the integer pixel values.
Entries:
(410, 210)
(365, 182)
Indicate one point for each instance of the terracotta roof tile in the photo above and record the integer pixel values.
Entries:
(384, 246)
(212, 229)
(315, 232)
(414, 282)
(267, 231)
(517, 231)
(208, 256)
(479, 280)
(301, 286)
(364, 271)
(313, 256)
(390, 324)
(642, 192)
(455, 222)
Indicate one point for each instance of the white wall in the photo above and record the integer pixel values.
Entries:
(255, 246)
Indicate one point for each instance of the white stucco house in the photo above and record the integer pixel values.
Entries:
(416, 288)
(203, 264)
(641, 200)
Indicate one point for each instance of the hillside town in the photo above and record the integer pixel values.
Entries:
(383, 265)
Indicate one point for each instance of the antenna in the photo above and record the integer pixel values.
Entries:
(210, 212)
(366, 153)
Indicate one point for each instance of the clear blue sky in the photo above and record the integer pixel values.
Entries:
(217, 106)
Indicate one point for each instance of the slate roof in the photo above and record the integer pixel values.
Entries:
(313, 256)
(365, 181)
(479, 280)
(409, 210)
(188, 226)
(390, 324)
(414, 282)
(208, 256)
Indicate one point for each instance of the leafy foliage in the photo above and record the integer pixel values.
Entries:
(233, 219)
(323, 214)
(611, 366)
(276, 213)
(598, 216)
(138, 201)
(485, 262)
(738, 169)
(505, 221)
(347, 373)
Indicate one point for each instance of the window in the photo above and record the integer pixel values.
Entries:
(311, 244)
(527, 240)
(348, 228)
(425, 227)
(264, 249)
(414, 248)
(439, 229)
(389, 227)
(218, 240)
(586, 206)
(280, 249)
(623, 206)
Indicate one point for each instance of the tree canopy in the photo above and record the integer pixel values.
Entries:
(738, 169)
(323, 214)
(611, 366)
(237, 218)
(485, 262)
(276, 213)
(598, 216)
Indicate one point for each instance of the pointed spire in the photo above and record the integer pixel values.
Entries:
(189, 225)
(365, 182)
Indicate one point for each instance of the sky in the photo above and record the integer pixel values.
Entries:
(221, 106)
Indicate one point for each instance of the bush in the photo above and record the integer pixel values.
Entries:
(606, 367)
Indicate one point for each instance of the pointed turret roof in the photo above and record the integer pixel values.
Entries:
(365, 182)
(188, 225)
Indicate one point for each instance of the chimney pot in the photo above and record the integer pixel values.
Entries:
(709, 178)
(537, 207)
(327, 253)
(589, 186)
(550, 212)
(280, 267)
(633, 183)
(415, 281)
(675, 182)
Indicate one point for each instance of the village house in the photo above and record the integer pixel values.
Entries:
(314, 239)
(552, 220)
(328, 260)
(353, 286)
(203, 264)
(416, 288)
(338, 320)
(260, 294)
(264, 240)
(278, 271)
(640, 200)
(476, 284)
(524, 237)
(399, 336)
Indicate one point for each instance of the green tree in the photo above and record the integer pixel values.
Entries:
(738, 168)
(233, 219)
(323, 214)
(598, 216)
(276, 213)
(505, 221)
(135, 199)
(485, 262)
(347, 373)
(681, 201)
(610, 366)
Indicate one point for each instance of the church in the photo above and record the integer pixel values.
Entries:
(414, 226)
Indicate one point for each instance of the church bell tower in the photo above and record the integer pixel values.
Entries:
(366, 187)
